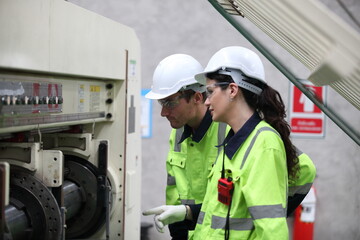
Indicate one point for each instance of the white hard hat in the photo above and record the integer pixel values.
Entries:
(174, 73)
(236, 58)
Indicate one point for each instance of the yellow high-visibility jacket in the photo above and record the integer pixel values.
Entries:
(255, 159)
(189, 162)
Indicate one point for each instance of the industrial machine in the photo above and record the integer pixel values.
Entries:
(70, 138)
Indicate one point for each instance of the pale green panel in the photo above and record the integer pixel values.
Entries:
(84, 43)
(24, 35)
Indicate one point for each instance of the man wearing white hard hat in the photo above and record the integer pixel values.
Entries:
(192, 140)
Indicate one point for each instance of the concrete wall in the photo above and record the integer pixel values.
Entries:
(165, 27)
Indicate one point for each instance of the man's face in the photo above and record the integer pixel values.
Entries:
(176, 109)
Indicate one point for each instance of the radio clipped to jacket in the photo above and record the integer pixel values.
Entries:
(225, 190)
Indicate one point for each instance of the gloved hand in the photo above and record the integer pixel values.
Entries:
(166, 214)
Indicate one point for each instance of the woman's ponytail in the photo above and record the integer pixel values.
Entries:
(272, 109)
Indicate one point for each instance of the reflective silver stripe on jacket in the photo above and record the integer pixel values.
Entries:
(239, 224)
(177, 145)
(303, 189)
(267, 211)
(253, 142)
(235, 223)
(171, 180)
(187, 201)
(200, 218)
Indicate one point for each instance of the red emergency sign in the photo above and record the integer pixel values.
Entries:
(303, 104)
(306, 119)
(305, 125)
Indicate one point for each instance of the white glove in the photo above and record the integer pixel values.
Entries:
(166, 214)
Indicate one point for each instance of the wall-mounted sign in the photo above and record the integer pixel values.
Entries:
(305, 118)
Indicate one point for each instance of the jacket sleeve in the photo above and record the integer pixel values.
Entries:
(178, 231)
(172, 193)
(300, 187)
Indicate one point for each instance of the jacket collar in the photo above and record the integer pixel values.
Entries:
(233, 141)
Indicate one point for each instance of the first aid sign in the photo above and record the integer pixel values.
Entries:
(306, 119)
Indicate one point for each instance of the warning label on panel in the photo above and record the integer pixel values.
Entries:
(81, 96)
(94, 98)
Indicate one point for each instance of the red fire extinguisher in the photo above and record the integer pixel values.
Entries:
(305, 218)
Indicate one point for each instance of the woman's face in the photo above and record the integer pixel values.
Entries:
(217, 100)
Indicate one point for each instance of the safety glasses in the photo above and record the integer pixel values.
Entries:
(170, 103)
(210, 88)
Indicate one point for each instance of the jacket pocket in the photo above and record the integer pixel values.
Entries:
(178, 160)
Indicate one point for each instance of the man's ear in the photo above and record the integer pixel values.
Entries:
(198, 97)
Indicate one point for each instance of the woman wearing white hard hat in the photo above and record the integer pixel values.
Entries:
(246, 196)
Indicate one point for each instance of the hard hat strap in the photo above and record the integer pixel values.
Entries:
(239, 78)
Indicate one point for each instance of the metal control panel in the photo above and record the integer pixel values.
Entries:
(27, 101)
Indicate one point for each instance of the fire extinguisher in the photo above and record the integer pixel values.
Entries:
(305, 217)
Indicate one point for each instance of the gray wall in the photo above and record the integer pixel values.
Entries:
(165, 27)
